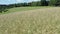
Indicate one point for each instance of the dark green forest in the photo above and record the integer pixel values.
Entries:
(4, 8)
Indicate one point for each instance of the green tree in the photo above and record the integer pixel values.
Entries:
(3, 8)
(57, 3)
(34, 4)
(44, 3)
(52, 2)
(38, 3)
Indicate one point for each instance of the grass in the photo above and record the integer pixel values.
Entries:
(39, 21)
(19, 9)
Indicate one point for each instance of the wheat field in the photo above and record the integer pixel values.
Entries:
(38, 21)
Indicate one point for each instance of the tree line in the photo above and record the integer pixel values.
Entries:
(3, 8)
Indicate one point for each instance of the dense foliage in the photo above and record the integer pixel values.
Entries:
(44, 3)
(3, 8)
(57, 3)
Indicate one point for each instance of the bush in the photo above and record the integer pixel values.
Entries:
(3, 9)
